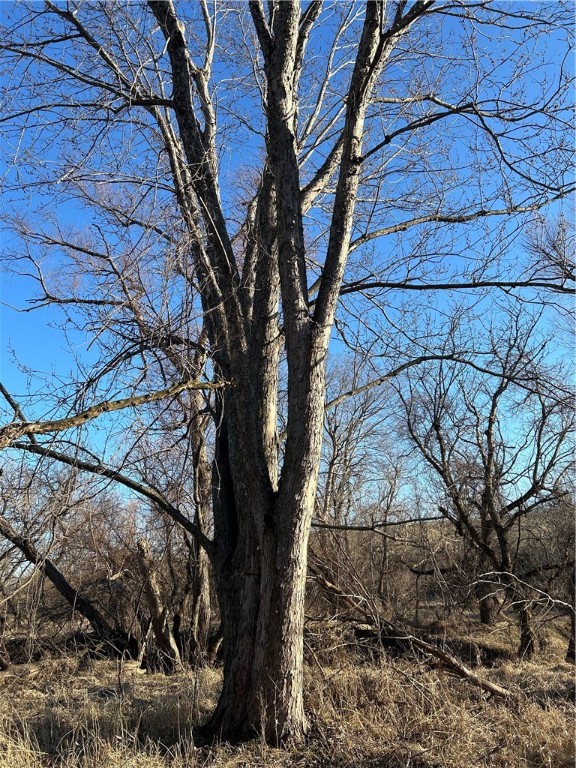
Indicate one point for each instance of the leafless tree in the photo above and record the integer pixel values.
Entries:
(352, 123)
(498, 438)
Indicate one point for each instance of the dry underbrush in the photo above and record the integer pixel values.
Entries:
(398, 713)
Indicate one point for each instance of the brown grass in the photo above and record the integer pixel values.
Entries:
(392, 715)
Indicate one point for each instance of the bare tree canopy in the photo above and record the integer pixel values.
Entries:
(214, 192)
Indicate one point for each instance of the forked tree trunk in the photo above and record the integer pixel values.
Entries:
(260, 566)
(262, 520)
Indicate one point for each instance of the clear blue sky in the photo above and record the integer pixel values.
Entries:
(32, 339)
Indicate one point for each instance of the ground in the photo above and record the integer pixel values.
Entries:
(364, 712)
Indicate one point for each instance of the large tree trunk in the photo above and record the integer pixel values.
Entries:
(261, 519)
(261, 533)
(261, 595)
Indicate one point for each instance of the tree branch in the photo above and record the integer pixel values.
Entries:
(15, 430)
(400, 634)
(147, 491)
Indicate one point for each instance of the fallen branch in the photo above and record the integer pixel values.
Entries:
(78, 603)
(397, 633)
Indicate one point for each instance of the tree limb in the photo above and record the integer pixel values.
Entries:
(147, 491)
(15, 430)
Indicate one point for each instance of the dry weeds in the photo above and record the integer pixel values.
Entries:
(398, 714)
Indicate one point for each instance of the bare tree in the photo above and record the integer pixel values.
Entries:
(130, 564)
(353, 471)
(131, 110)
(500, 443)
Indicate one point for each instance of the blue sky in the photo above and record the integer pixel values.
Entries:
(33, 339)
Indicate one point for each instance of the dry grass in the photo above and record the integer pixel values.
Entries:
(408, 715)
(397, 714)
